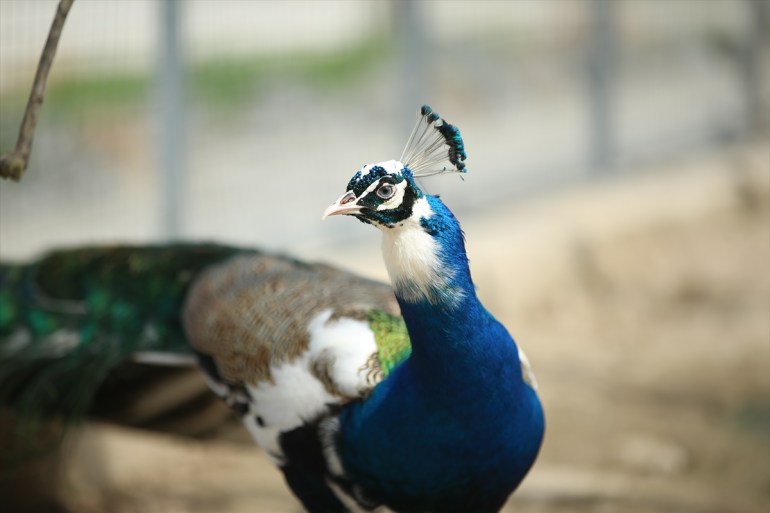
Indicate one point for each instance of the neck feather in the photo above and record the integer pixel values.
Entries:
(425, 256)
(450, 330)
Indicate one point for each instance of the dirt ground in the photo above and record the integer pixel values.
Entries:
(643, 303)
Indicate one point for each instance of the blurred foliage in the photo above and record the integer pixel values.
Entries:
(230, 82)
(97, 91)
(753, 414)
(223, 83)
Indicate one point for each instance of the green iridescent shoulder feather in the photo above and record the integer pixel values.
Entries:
(391, 337)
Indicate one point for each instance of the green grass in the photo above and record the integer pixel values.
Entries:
(97, 91)
(227, 83)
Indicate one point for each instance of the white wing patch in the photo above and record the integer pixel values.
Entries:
(265, 437)
(296, 395)
(346, 344)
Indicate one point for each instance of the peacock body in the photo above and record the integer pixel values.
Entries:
(412, 397)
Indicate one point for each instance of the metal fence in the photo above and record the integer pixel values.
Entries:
(197, 119)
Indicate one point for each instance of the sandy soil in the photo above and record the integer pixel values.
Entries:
(644, 306)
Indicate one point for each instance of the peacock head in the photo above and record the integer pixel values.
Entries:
(385, 194)
(381, 194)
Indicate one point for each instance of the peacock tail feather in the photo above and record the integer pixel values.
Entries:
(71, 317)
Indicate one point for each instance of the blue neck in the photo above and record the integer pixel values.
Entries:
(455, 421)
(455, 333)
(457, 407)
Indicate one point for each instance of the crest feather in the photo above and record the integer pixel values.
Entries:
(432, 144)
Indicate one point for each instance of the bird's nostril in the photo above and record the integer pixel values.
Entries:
(347, 198)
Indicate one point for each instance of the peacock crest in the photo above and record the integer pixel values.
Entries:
(432, 142)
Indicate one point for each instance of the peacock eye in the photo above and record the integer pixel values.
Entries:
(386, 191)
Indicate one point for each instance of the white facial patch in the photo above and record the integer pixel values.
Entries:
(411, 257)
(390, 166)
(397, 198)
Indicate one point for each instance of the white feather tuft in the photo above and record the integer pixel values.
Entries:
(432, 145)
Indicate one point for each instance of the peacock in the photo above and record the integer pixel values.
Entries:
(411, 397)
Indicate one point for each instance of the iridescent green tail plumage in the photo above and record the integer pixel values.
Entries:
(71, 317)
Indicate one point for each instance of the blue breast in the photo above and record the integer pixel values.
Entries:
(454, 427)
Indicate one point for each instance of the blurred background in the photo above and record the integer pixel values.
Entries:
(617, 212)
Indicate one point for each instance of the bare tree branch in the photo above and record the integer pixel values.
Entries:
(13, 164)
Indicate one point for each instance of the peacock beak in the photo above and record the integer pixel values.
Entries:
(345, 205)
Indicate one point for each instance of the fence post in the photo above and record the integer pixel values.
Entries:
(601, 60)
(171, 112)
(758, 14)
(412, 48)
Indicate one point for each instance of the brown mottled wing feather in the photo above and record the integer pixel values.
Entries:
(252, 312)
